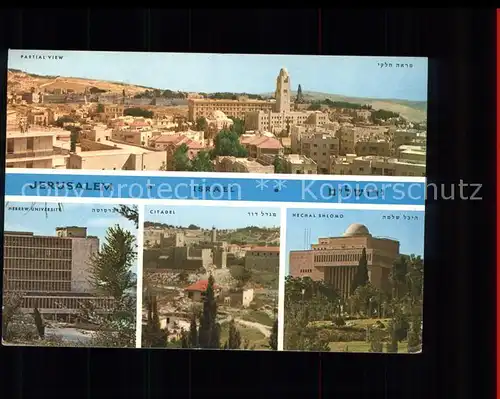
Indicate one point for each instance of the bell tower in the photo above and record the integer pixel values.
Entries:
(282, 94)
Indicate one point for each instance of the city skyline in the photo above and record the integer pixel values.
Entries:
(409, 233)
(218, 217)
(352, 76)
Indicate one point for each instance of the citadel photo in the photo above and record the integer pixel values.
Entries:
(58, 277)
(66, 121)
(355, 291)
(210, 287)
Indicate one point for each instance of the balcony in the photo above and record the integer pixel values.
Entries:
(31, 154)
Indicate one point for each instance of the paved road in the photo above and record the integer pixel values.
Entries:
(69, 334)
(266, 330)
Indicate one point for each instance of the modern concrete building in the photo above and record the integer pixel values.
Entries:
(117, 159)
(335, 259)
(30, 149)
(52, 271)
(299, 164)
(376, 165)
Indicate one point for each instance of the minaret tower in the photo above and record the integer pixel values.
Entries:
(283, 92)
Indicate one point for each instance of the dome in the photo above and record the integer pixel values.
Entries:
(356, 229)
(218, 115)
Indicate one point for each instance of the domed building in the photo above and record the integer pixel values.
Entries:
(335, 259)
(217, 121)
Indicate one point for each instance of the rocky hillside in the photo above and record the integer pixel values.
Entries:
(19, 81)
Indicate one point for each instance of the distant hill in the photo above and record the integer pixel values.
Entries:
(415, 111)
(21, 81)
(250, 235)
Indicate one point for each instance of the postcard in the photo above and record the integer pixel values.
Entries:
(211, 277)
(354, 281)
(70, 275)
(185, 112)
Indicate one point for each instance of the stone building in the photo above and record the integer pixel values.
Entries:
(263, 258)
(335, 259)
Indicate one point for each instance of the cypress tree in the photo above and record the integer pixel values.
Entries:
(193, 333)
(40, 325)
(273, 339)
(300, 97)
(209, 329)
(234, 337)
(361, 276)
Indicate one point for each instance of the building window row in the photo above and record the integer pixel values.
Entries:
(40, 253)
(341, 257)
(37, 264)
(45, 286)
(306, 270)
(38, 275)
(37, 242)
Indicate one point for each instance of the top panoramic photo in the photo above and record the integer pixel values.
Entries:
(216, 113)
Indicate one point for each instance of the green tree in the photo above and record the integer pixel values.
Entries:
(315, 106)
(227, 143)
(414, 342)
(184, 339)
(181, 161)
(138, 112)
(193, 333)
(201, 124)
(300, 96)
(153, 336)
(40, 324)
(100, 108)
(11, 305)
(383, 114)
(279, 166)
(398, 276)
(361, 276)
(234, 337)
(130, 212)
(376, 344)
(202, 162)
(209, 329)
(111, 266)
(415, 278)
(392, 343)
(64, 119)
(111, 275)
(238, 126)
(73, 140)
(273, 339)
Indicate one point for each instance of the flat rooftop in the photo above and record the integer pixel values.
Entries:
(101, 153)
(15, 134)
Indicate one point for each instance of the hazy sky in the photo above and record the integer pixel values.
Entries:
(410, 234)
(41, 223)
(349, 76)
(211, 216)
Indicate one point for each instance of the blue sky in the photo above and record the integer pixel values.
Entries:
(349, 76)
(211, 216)
(410, 234)
(41, 223)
